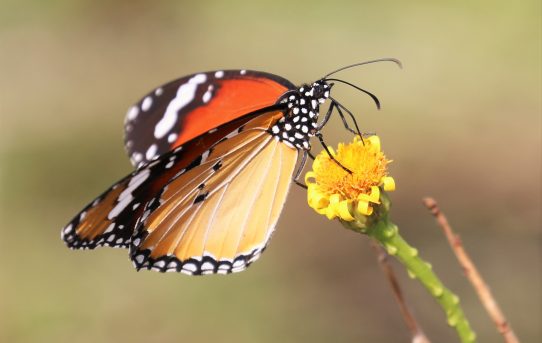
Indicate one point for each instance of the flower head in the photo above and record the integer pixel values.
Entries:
(335, 192)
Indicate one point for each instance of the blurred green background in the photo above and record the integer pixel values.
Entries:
(462, 122)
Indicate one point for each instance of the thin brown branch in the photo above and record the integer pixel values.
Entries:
(470, 270)
(417, 334)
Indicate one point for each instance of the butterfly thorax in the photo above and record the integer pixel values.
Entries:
(301, 120)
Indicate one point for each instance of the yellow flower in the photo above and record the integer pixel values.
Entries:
(334, 192)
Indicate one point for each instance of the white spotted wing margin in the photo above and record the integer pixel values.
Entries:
(218, 217)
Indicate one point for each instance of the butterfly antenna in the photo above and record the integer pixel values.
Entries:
(394, 60)
(375, 99)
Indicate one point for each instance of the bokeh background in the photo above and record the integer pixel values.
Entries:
(462, 122)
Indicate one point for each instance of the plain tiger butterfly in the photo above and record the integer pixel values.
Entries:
(215, 154)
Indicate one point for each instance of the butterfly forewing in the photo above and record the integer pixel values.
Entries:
(218, 216)
(186, 108)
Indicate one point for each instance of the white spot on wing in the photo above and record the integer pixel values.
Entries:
(132, 113)
(208, 94)
(137, 157)
(126, 196)
(207, 266)
(219, 74)
(172, 137)
(204, 156)
(159, 91)
(191, 267)
(185, 94)
(110, 228)
(151, 152)
(66, 230)
(146, 104)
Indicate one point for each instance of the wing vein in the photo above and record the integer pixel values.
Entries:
(213, 218)
(256, 196)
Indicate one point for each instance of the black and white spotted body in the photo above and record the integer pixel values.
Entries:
(301, 120)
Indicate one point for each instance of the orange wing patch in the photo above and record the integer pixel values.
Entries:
(231, 101)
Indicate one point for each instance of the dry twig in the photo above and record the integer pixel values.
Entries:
(484, 293)
(417, 334)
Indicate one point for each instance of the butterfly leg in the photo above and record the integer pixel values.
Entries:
(345, 123)
(326, 117)
(339, 107)
(300, 169)
(321, 139)
(362, 135)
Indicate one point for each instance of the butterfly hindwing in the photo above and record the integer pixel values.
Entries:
(218, 216)
(188, 107)
(110, 219)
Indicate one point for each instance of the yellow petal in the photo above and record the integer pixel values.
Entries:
(317, 200)
(330, 213)
(388, 183)
(343, 211)
(375, 142)
(373, 197)
(375, 194)
(364, 208)
(334, 199)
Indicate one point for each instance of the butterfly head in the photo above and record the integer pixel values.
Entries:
(318, 91)
(321, 90)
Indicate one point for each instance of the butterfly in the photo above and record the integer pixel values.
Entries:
(214, 154)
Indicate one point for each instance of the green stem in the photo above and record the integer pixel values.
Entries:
(387, 234)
